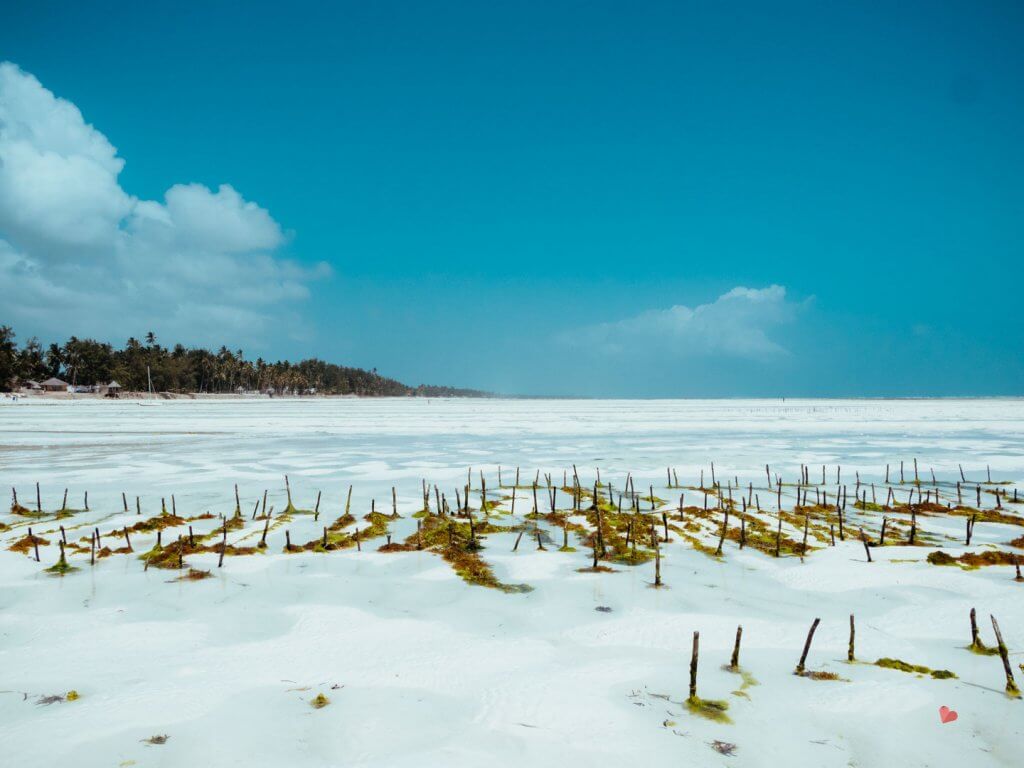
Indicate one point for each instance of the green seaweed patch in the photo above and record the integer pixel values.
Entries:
(459, 546)
(157, 523)
(986, 515)
(60, 568)
(748, 680)
(319, 701)
(903, 666)
(868, 506)
(981, 649)
(710, 709)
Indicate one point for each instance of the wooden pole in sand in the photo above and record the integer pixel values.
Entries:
(734, 663)
(864, 541)
(657, 559)
(266, 527)
(693, 665)
(849, 651)
(807, 648)
(1011, 684)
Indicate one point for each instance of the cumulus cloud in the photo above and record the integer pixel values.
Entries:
(80, 254)
(737, 324)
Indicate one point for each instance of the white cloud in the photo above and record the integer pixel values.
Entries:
(737, 324)
(80, 255)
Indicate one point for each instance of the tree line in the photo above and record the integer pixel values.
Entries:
(183, 369)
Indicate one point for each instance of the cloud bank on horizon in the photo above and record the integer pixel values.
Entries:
(202, 265)
(737, 324)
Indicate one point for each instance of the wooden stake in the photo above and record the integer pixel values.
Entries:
(693, 665)
(975, 640)
(266, 527)
(734, 663)
(849, 651)
(1011, 684)
(807, 647)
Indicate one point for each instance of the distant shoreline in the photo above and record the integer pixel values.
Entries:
(35, 397)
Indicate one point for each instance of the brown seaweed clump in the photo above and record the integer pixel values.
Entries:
(972, 560)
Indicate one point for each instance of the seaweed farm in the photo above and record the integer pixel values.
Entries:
(444, 582)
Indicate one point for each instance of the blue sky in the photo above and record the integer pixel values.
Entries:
(655, 199)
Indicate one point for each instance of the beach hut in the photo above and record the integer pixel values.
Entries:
(113, 389)
(33, 385)
(54, 384)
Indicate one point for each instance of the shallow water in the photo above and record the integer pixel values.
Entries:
(433, 671)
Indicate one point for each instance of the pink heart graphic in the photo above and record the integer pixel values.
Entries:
(947, 715)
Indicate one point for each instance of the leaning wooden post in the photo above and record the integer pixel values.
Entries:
(807, 648)
(693, 665)
(849, 651)
(288, 490)
(64, 504)
(1011, 684)
(39, 499)
(734, 663)
(867, 549)
(266, 527)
